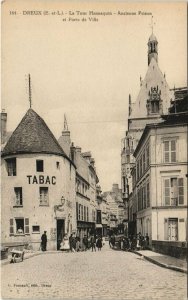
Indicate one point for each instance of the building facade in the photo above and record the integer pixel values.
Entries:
(154, 99)
(160, 182)
(38, 186)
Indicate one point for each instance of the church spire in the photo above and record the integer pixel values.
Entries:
(152, 45)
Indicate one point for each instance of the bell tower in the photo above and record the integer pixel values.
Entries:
(152, 45)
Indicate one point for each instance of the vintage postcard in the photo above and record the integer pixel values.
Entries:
(94, 120)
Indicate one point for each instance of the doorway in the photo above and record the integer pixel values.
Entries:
(60, 232)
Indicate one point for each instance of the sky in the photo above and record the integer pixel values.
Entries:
(87, 69)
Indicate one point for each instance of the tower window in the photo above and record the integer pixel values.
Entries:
(155, 107)
(18, 198)
(40, 165)
(11, 166)
(43, 195)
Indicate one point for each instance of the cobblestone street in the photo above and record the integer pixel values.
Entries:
(108, 274)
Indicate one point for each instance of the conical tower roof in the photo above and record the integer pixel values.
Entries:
(32, 135)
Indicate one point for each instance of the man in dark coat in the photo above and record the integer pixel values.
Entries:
(99, 243)
(44, 241)
(85, 242)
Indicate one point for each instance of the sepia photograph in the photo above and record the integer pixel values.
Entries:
(94, 152)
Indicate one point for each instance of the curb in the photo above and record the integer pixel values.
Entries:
(7, 261)
(171, 267)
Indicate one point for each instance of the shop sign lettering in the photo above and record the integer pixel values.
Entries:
(41, 179)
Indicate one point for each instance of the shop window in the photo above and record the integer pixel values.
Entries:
(18, 196)
(39, 165)
(11, 166)
(35, 229)
(43, 195)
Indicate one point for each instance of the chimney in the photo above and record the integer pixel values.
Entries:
(3, 126)
(115, 188)
(78, 149)
(65, 141)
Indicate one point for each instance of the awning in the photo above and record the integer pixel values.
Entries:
(98, 225)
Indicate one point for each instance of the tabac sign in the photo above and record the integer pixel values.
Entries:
(41, 179)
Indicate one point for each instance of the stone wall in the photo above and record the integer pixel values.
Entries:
(172, 248)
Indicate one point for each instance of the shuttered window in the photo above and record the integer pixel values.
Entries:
(173, 191)
(180, 191)
(77, 210)
(169, 151)
(167, 191)
(148, 195)
(11, 226)
(26, 225)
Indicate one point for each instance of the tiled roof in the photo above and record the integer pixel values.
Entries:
(32, 135)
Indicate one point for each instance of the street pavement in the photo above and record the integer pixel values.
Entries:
(107, 274)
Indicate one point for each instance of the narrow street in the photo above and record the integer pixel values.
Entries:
(108, 274)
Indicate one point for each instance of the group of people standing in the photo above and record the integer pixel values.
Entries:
(137, 242)
(73, 243)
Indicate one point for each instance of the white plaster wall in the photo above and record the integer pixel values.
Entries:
(158, 225)
(38, 215)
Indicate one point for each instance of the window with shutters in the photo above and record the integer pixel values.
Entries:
(79, 212)
(18, 196)
(173, 191)
(19, 226)
(44, 199)
(77, 215)
(87, 214)
(144, 197)
(11, 226)
(170, 151)
(11, 166)
(84, 213)
(144, 161)
(147, 195)
(147, 156)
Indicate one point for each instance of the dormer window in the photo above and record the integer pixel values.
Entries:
(39, 165)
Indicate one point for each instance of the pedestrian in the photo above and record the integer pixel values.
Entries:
(74, 243)
(85, 242)
(147, 240)
(77, 244)
(99, 243)
(64, 246)
(113, 240)
(93, 243)
(44, 241)
(70, 242)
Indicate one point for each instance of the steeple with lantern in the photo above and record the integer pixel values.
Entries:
(152, 45)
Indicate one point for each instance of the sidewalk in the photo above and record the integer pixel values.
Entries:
(164, 261)
(26, 256)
